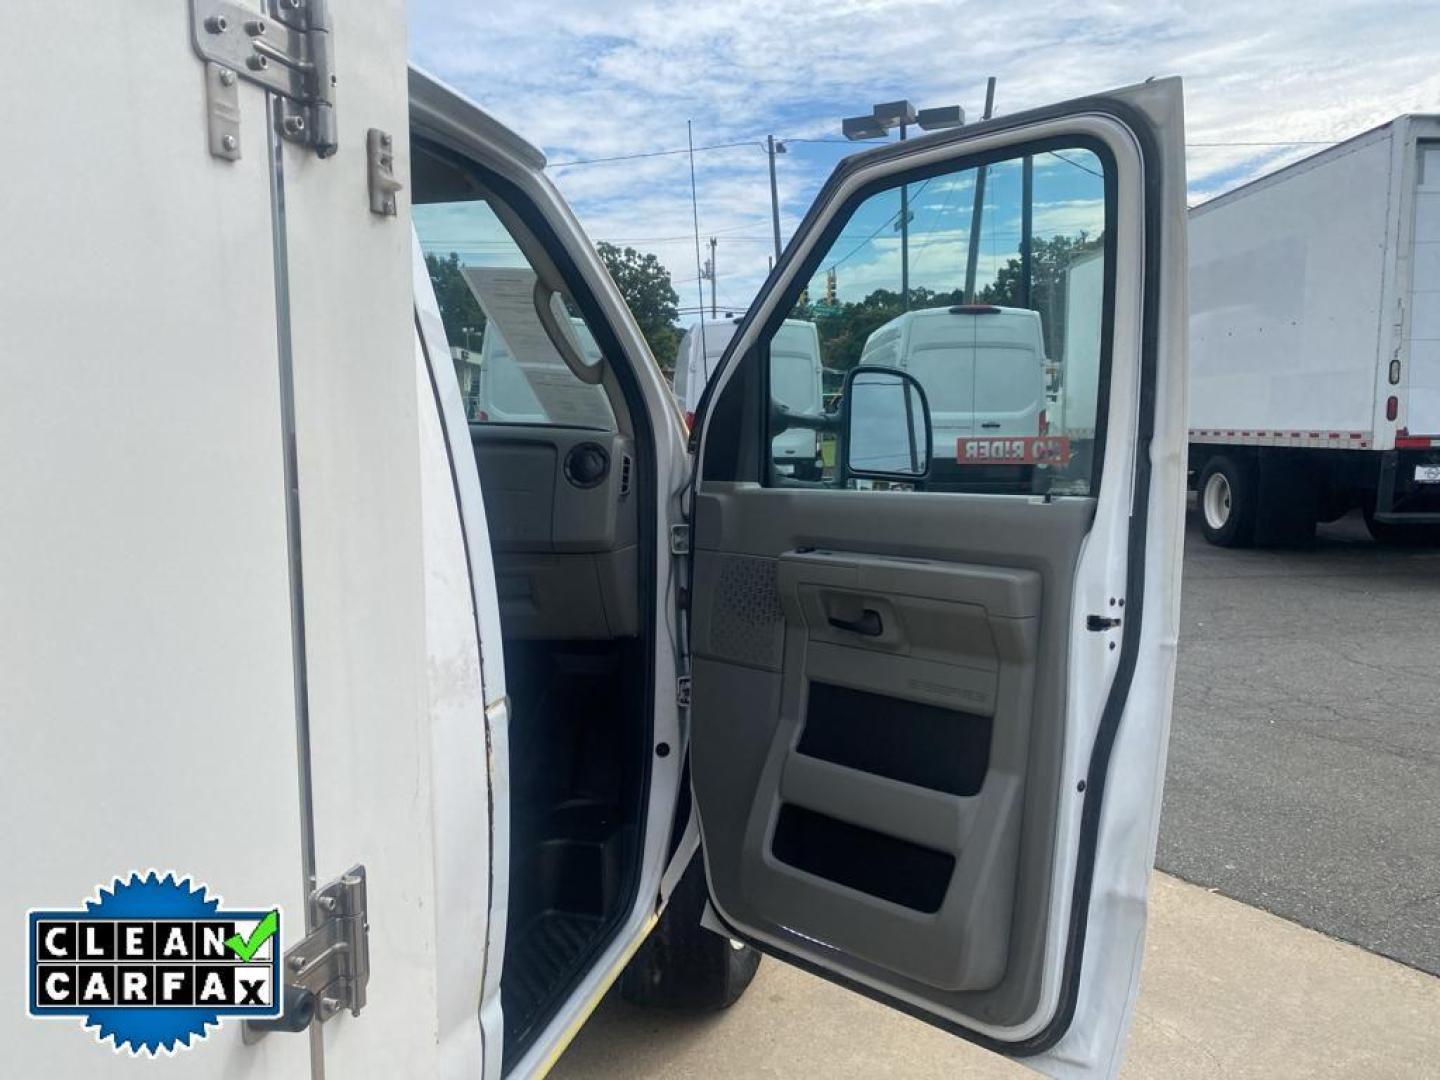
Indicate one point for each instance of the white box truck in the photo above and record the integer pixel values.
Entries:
(432, 729)
(1315, 343)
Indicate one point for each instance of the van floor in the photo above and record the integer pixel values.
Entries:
(577, 750)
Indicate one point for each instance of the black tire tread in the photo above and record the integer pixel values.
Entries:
(682, 966)
(1239, 531)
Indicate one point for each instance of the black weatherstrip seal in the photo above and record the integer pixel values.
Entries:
(1098, 769)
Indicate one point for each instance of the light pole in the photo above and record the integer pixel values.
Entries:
(712, 278)
(976, 213)
(772, 148)
(901, 114)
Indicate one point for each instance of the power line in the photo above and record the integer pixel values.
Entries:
(1072, 161)
(888, 221)
(649, 154)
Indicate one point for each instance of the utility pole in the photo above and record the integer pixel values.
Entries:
(979, 209)
(773, 148)
(712, 277)
(904, 237)
(1027, 227)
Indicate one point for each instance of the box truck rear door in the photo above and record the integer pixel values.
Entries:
(148, 655)
(1422, 414)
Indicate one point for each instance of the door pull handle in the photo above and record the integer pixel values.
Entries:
(868, 624)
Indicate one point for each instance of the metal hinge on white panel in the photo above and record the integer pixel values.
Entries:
(679, 539)
(380, 172)
(287, 49)
(328, 970)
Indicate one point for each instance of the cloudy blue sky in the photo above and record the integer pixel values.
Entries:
(1266, 82)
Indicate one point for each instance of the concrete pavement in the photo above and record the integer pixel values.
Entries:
(1226, 989)
(1305, 749)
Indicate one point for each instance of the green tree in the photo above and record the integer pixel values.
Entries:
(845, 329)
(645, 284)
(458, 308)
(1050, 260)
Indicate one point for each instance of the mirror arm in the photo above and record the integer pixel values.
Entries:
(782, 419)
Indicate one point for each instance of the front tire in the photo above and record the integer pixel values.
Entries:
(1227, 502)
(683, 966)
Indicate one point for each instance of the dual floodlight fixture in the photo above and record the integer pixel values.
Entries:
(892, 114)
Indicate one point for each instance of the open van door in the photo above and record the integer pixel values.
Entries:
(930, 723)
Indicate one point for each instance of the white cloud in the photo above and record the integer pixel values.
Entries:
(607, 77)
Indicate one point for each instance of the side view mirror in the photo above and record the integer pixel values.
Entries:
(885, 429)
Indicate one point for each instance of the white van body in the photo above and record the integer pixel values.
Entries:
(1079, 371)
(506, 387)
(795, 380)
(982, 367)
(696, 357)
(1315, 338)
(260, 610)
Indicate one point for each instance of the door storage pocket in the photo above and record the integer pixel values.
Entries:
(862, 859)
(926, 745)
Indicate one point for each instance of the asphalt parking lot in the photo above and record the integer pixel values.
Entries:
(1304, 773)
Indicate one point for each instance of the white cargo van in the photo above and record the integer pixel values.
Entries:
(796, 382)
(510, 391)
(696, 357)
(444, 719)
(982, 367)
(1315, 343)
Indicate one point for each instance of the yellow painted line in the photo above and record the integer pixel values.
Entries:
(563, 1043)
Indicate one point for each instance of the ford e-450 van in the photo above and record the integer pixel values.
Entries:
(485, 717)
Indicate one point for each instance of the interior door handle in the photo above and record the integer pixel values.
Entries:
(868, 624)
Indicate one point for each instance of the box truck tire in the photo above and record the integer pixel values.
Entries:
(1227, 502)
(684, 966)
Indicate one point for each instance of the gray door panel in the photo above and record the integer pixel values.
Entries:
(566, 561)
(877, 727)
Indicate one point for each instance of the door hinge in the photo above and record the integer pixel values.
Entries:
(682, 691)
(287, 49)
(1100, 622)
(679, 539)
(329, 969)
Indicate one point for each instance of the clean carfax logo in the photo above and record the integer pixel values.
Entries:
(152, 962)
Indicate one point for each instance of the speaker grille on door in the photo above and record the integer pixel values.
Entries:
(748, 624)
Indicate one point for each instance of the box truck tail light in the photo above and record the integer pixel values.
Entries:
(1392, 407)
(1044, 422)
(689, 420)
